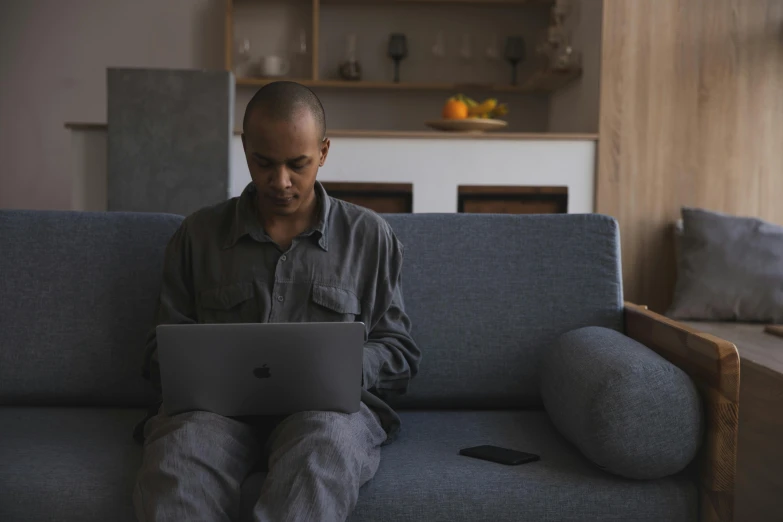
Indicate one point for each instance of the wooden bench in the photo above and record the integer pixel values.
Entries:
(759, 480)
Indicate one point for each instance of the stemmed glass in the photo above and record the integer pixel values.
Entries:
(301, 42)
(466, 47)
(300, 51)
(398, 49)
(492, 51)
(514, 53)
(439, 47)
(243, 58)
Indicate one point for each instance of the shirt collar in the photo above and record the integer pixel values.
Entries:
(324, 209)
(244, 220)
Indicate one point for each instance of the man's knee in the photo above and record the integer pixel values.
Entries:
(192, 429)
(343, 436)
(325, 425)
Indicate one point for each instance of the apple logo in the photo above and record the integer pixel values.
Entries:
(263, 372)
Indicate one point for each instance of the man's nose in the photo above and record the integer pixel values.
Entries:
(281, 180)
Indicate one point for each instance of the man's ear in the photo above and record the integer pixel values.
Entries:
(324, 150)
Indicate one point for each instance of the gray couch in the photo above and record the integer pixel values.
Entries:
(489, 297)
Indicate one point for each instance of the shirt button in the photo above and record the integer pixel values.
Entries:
(283, 258)
(280, 298)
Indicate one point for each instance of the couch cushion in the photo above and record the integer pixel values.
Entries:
(487, 294)
(728, 269)
(80, 464)
(625, 407)
(77, 300)
(421, 477)
(68, 464)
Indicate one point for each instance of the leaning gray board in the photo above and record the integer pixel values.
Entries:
(169, 139)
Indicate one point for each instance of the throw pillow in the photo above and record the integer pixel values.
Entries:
(729, 269)
(626, 408)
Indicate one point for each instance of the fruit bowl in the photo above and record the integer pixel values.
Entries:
(464, 114)
(467, 125)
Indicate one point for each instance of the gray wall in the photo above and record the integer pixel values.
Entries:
(53, 60)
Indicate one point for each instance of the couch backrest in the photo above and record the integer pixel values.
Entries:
(488, 294)
(77, 299)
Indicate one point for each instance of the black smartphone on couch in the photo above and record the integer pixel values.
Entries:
(500, 455)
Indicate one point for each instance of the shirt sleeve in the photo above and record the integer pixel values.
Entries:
(176, 304)
(391, 357)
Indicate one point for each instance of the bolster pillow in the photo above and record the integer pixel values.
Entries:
(626, 408)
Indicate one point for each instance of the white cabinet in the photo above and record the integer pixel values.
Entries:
(435, 167)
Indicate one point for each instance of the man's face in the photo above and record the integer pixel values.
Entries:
(283, 158)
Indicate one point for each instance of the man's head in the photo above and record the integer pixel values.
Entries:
(284, 137)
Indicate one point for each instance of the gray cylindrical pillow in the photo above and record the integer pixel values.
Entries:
(627, 409)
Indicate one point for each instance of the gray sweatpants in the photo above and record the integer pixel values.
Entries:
(194, 465)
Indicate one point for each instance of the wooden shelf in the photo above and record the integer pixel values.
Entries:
(442, 2)
(439, 135)
(539, 82)
(415, 134)
(542, 82)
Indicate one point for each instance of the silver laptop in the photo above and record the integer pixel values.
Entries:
(261, 368)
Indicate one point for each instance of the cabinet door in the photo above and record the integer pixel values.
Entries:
(512, 200)
(384, 198)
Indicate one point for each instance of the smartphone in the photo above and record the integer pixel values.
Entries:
(499, 455)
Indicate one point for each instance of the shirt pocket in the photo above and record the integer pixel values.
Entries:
(234, 303)
(332, 304)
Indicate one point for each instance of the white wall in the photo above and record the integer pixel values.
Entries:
(53, 60)
(575, 108)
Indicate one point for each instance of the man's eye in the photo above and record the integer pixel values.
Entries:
(263, 164)
(298, 167)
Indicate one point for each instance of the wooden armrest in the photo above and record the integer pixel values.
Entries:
(713, 364)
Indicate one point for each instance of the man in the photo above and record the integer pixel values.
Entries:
(282, 252)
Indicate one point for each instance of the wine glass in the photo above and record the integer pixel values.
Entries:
(398, 49)
(514, 53)
(350, 47)
(301, 42)
(242, 62)
(466, 47)
(439, 47)
(299, 52)
(492, 52)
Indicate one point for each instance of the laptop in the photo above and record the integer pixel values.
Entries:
(261, 368)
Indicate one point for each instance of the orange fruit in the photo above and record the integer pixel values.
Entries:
(455, 110)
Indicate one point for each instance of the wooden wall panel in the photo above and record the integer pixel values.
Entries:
(691, 114)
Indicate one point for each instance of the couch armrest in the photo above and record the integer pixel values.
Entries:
(713, 364)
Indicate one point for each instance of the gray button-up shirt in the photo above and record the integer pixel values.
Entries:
(221, 267)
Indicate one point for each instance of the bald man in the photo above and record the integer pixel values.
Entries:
(284, 251)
